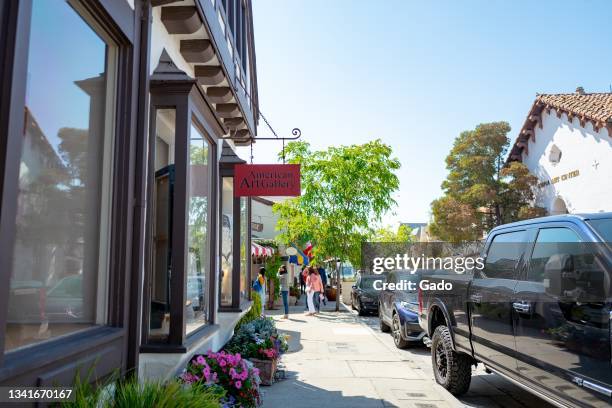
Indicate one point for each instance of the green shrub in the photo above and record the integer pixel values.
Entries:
(129, 393)
(252, 314)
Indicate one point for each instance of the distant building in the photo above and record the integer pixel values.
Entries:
(263, 219)
(566, 141)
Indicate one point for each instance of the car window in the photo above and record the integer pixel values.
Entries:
(550, 241)
(368, 283)
(503, 255)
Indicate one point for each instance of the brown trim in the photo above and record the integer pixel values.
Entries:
(14, 40)
(180, 213)
(144, 16)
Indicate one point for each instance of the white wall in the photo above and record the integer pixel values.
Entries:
(262, 213)
(584, 150)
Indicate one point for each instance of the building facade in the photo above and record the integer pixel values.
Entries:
(566, 142)
(122, 246)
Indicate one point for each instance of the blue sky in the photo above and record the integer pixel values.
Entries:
(416, 74)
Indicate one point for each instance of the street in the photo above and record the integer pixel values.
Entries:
(343, 360)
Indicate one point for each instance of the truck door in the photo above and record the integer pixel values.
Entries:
(489, 300)
(563, 319)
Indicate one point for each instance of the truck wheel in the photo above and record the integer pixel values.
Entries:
(397, 333)
(452, 370)
(383, 326)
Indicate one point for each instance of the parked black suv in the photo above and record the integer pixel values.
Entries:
(539, 313)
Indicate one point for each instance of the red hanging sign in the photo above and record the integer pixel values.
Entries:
(266, 180)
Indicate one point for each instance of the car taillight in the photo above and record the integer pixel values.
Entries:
(420, 299)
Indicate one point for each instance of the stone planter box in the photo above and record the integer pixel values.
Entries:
(267, 369)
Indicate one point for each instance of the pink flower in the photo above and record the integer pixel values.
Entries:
(222, 363)
(238, 384)
(201, 360)
(238, 357)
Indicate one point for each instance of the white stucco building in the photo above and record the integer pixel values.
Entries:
(566, 141)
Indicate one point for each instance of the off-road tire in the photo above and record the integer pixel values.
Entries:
(383, 326)
(458, 366)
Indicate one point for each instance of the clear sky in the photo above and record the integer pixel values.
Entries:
(416, 74)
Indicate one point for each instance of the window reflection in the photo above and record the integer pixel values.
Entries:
(227, 262)
(162, 206)
(244, 285)
(198, 261)
(58, 279)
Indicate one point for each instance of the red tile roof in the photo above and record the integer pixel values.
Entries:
(586, 107)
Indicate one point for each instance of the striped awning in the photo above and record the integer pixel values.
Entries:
(260, 250)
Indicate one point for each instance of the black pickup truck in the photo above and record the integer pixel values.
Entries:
(538, 313)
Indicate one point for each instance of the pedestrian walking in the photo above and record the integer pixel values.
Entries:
(323, 275)
(313, 285)
(284, 287)
(259, 286)
(303, 282)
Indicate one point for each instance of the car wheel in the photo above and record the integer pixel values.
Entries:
(396, 331)
(452, 370)
(361, 311)
(383, 326)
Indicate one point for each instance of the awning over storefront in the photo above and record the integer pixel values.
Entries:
(260, 250)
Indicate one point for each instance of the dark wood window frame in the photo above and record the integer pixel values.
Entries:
(238, 304)
(184, 95)
(105, 347)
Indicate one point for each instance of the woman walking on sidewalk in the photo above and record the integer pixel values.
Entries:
(313, 285)
(284, 287)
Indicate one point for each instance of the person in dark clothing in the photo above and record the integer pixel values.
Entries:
(302, 282)
(323, 276)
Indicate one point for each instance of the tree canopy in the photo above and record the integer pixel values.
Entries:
(480, 191)
(345, 190)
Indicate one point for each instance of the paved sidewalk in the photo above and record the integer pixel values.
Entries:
(335, 360)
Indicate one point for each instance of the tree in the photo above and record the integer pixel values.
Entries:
(344, 191)
(386, 234)
(479, 191)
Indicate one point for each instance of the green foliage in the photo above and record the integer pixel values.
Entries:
(258, 339)
(345, 190)
(386, 234)
(272, 264)
(479, 192)
(253, 313)
(130, 393)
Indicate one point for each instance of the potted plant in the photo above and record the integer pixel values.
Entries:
(262, 344)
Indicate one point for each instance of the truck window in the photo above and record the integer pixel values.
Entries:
(603, 227)
(504, 254)
(550, 241)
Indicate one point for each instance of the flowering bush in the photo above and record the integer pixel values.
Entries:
(232, 372)
(259, 339)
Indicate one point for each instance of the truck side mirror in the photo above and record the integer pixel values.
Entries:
(559, 275)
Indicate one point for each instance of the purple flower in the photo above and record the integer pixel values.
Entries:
(201, 360)
(238, 384)
(222, 363)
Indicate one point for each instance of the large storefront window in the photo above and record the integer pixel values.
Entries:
(227, 228)
(162, 206)
(244, 254)
(58, 279)
(198, 261)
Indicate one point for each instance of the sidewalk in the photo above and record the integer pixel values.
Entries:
(335, 360)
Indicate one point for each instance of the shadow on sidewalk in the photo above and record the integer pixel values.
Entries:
(294, 393)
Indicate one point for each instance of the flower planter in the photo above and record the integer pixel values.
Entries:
(267, 369)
